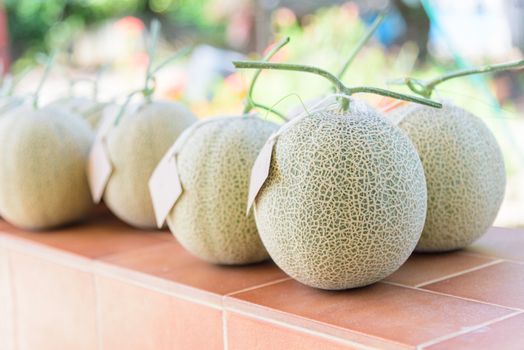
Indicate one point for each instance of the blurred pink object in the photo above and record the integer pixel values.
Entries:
(4, 40)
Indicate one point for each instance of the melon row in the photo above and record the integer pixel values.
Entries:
(338, 195)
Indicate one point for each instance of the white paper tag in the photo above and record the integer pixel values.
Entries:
(260, 171)
(99, 169)
(164, 187)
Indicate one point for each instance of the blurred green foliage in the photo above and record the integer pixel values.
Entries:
(42, 25)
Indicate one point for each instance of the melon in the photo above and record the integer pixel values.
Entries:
(209, 219)
(43, 180)
(464, 171)
(135, 146)
(88, 109)
(344, 203)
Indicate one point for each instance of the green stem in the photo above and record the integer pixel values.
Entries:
(396, 95)
(374, 26)
(124, 105)
(250, 103)
(47, 69)
(269, 109)
(341, 88)
(425, 88)
(430, 86)
(148, 90)
(151, 52)
(177, 55)
(14, 81)
(292, 67)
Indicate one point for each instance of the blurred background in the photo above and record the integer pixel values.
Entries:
(105, 39)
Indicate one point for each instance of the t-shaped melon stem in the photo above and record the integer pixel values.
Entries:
(150, 81)
(340, 87)
(49, 63)
(95, 82)
(425, 88)
(363, 40)
(250, 103)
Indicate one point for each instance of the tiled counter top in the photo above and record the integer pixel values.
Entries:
(104, 285)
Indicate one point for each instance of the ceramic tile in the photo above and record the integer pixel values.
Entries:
(55, 305)
(502, 284)
(169, 261)
(247, 333)
(500, 242)
(506, 334)
(101, 235)
(135, 318)
(396, 314)
(6, 316)
(423, 268)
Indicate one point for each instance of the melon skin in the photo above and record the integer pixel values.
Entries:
(464, 171)
(209, 219)
(345, 200)
(135, 146)
(90, 110)
(43, 180)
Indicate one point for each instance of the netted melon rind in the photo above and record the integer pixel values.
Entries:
(135, 146)
(209, 219)
(464, 171)
(345, 200)
(43, 182)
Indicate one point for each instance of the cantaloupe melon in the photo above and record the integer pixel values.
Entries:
(43, 181)
(135, 146)
(209, 219)
(345, 200)
(464, 171)
(88, 109)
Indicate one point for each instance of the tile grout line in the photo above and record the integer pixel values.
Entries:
(12, 307)
(453, 296)
(308, 331)
(492, 256)
(466, 331)
(169, 292)
(50, 254)
(267, 284)
(224, 329)
(98, 311)
(479, 267)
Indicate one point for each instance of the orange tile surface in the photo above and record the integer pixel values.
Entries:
(55, 305)
(423, 268)
(99, 236)
(135, 318)
(501, 284)
(507, 335)
(402, 315)
(246, 333)
(6, 336)
(122, 288)
(500, 242)
(170, 261)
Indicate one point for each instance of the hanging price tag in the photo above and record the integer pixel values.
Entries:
(165, 188)
(99, 170)
(99, 167)
(260, 171)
